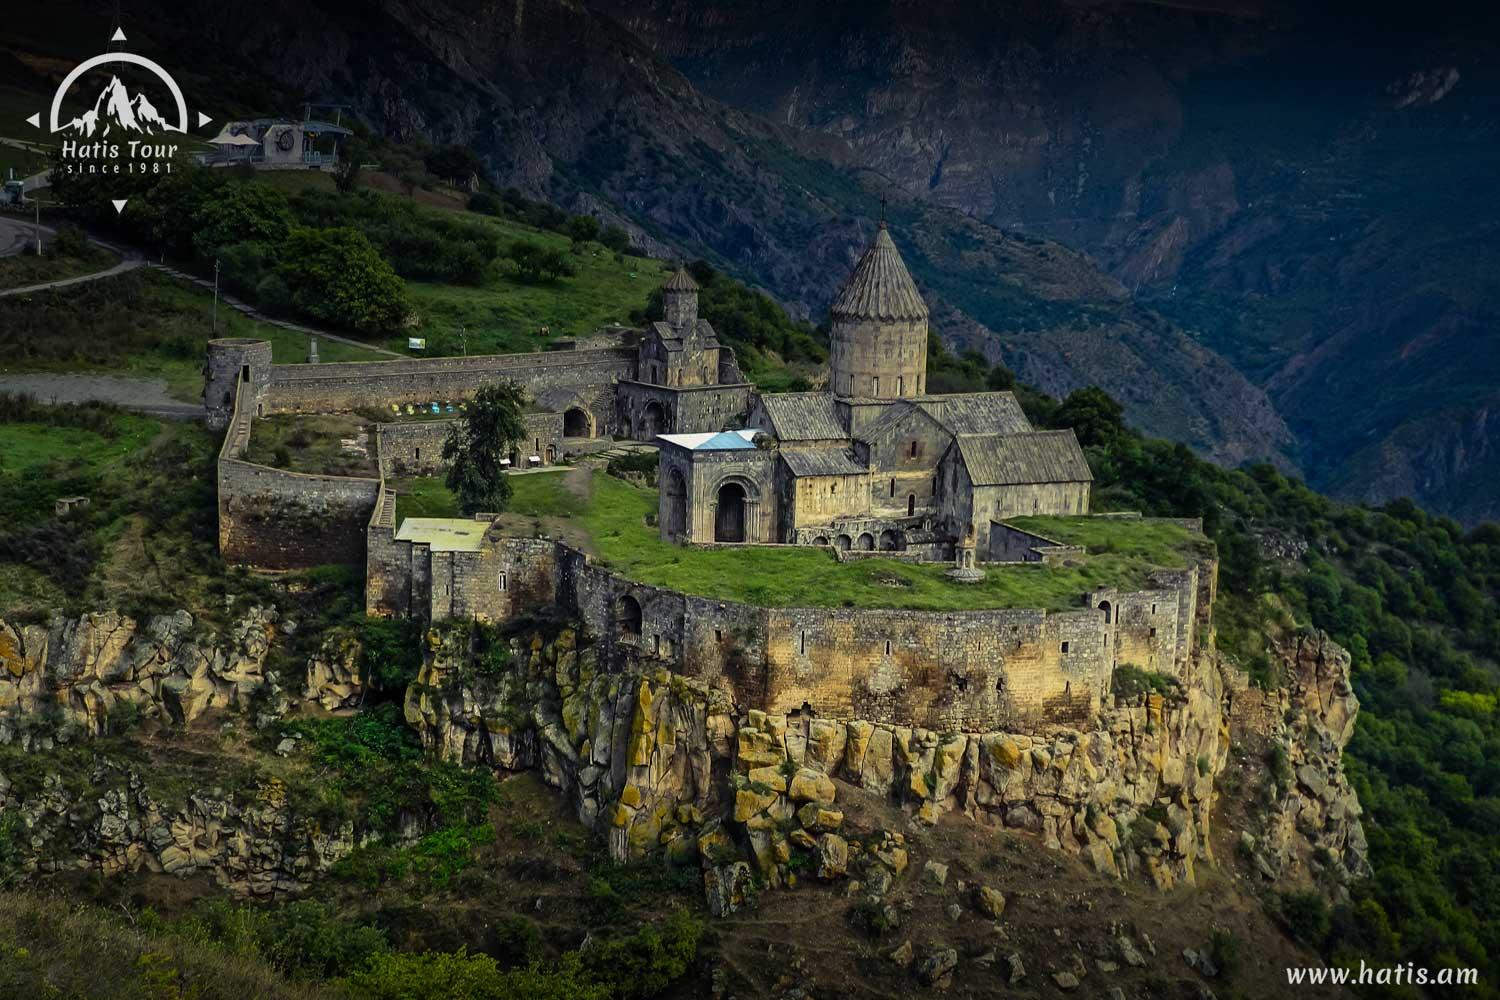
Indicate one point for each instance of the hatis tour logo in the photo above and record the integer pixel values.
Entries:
(119, 132)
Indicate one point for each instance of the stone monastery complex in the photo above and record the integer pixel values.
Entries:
(874, 468)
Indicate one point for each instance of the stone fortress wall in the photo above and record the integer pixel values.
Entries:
(277, 520)
(966, 670)
(952, 671)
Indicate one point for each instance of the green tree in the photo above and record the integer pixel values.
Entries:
(582, 228)
(537, 263)
(454, 163)
(339, 276)
(240, 213)
(347, 170)
(1095, 417)
(489, 429)
(615, 238)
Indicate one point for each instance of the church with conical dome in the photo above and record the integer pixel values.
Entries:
(873, 462)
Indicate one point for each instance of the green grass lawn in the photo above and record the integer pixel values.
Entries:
(142, 323)
(614, 519)
(25, 448)
(1158, 542)
(505, 314)
(425, 496)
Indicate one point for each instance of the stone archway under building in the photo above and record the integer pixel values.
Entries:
(865, 542)
(577, 423)
(653, 421)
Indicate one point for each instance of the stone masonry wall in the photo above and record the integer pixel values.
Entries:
(356, 385)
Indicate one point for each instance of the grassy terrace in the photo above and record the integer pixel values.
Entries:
(314, 445)
(613, 518)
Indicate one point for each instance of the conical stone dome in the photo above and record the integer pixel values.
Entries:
(880, 287)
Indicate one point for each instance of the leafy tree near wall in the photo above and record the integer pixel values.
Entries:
(488, 431)
(337, 275)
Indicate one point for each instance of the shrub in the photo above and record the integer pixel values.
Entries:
(337, 275)
(1306, 917)
(537, 263)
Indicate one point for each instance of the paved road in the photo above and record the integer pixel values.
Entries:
(144, 395)
(17, 235)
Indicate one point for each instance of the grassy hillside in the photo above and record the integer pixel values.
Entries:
(142, 323)
(502, 312)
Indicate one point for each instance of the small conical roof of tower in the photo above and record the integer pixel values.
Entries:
(880, 287)
(680, 281)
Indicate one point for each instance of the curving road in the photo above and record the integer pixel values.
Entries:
(17, 235)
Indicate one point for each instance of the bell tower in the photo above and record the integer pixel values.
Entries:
(878, 344)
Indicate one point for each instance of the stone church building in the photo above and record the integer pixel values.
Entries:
(874, 462)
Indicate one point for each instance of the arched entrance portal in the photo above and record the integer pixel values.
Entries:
(1108, 612)
(676, 503)
(865, 542)
(891, 541)
(653, 421)
(729, 519)
(843, 543)
(576, 423)
(628, 617)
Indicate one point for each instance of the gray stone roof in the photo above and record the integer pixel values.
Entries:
(680, 281)
(1014, 459)
(803, 416)
(702, 332)
(880, 287)
(821, 462)
(896, 413)
(977, 412)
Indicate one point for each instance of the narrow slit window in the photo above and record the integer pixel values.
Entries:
(802, 642)
(1065, 646)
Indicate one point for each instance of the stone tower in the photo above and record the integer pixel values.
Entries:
(234, 365)
(878, 346)
(679, 299)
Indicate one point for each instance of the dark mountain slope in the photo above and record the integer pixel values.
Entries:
(565, 104)
(1309, 188)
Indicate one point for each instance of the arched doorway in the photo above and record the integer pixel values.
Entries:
(628, 617)
(676, 503)
(865, 542)
(653, 421)
(843, 543)
(729, 518)
(576, 423)
(515, 457)
(1108, 612)
(889, 541)
(820, 540)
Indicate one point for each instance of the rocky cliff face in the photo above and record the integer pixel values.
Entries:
(1306, 821)
(666, 763)
(74, 674)
(77, 679)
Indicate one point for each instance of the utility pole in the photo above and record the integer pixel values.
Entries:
(216, 296)
(463, 340)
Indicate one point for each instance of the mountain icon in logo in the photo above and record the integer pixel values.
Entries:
(116, 108)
